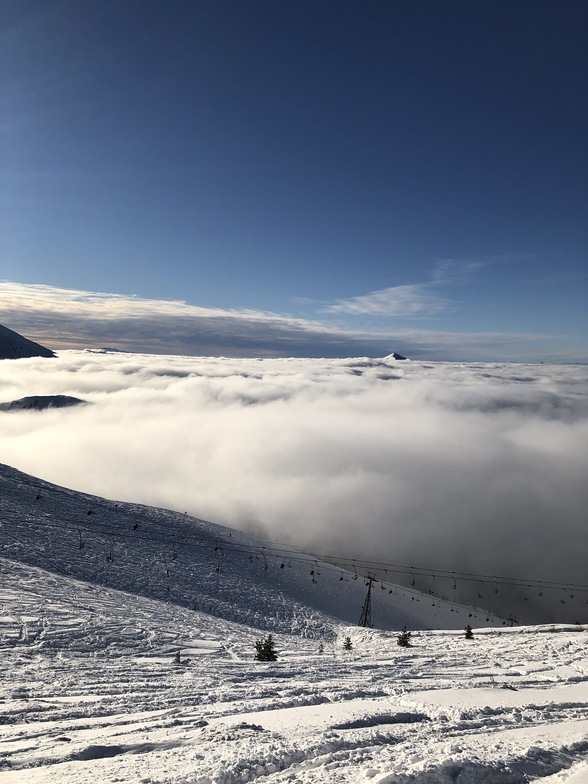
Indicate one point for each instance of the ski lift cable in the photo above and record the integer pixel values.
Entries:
(342, 562)
(396, 568)
(362, 563)
(96, 526)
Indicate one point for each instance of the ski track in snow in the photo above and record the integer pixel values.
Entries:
(90, 689)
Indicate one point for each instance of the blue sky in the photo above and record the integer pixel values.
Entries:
(375, 171)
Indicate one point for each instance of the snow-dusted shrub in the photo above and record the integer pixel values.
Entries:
(264, 649)
(404, 638)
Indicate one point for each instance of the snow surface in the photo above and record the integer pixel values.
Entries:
(97, 598)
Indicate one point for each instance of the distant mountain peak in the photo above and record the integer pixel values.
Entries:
(41, 402)
(396, 356)
(15, 346)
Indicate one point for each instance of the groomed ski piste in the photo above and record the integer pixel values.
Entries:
(128, 638)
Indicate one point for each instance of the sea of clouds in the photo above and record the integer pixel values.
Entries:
(469, 467)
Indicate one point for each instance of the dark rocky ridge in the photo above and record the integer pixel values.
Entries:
(40, 402)
(15, 346)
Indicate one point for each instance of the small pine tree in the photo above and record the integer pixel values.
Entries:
(404, 638)
(321, 648)
(264, 650)
(347, 644)
(469, 635)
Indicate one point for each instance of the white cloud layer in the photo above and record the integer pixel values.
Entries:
(468, 467)
(68, 319)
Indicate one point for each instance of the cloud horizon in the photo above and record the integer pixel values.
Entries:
(73, 319)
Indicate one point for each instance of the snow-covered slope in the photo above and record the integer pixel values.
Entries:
(15, 346)
(167, 555)
(127, 638)
(91, 691)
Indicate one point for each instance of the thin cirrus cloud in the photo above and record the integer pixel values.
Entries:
(467, 467)
(71, 319)
(408, 301)
(414, 300)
